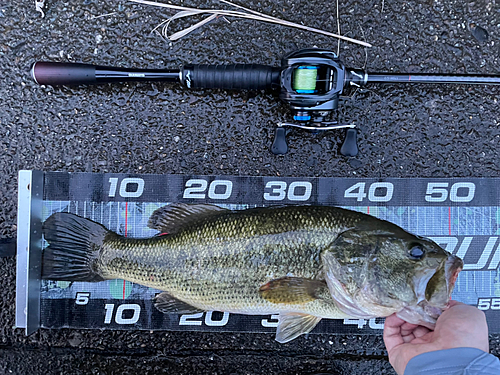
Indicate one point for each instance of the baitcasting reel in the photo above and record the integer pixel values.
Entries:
(311, 82)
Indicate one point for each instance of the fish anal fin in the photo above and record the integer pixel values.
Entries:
(170, 218)
(292, 325)
(167, 304)
(292, 290)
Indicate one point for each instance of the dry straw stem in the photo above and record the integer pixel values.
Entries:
(185, 12)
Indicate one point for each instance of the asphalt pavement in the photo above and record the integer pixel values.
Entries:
(404, 131)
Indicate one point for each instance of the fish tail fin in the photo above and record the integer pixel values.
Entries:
(73, 251)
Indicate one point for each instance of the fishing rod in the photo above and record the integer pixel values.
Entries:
(310, 81)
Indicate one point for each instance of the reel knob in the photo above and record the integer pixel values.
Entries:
(350, 145)
(279, 146)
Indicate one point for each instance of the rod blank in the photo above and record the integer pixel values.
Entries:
(432, 78)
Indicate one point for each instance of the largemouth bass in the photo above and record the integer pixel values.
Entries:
(304, 263)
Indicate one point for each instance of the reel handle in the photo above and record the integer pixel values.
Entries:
(349, 147)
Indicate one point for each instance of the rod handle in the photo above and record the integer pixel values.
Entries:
(53, 73)
(231, 77)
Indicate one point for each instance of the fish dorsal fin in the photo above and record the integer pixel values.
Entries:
(167, 304)
(292, 290)
(169, 219)
(292, 325)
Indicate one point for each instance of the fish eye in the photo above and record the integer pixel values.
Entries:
(416, 251)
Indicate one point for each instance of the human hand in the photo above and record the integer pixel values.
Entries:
(457, 327)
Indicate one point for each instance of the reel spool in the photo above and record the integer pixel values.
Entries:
(304, 79)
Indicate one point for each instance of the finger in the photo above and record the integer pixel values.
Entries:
(392, 326)
(454, 303)
(408, 338)
(393, 321)
(417, 332)
(421, 331)
(392, 332)
(425, 339)
(408, 328)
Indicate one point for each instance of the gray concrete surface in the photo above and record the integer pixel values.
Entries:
(156, 128)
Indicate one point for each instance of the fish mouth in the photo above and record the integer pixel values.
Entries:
(437, 295)
(453, 266)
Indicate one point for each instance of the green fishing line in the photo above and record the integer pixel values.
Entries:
(304, 79)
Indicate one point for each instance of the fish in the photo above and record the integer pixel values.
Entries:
(303, 262)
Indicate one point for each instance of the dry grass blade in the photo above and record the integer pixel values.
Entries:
(338, 28)
(186, 31)
(249, 10)
(231, 13)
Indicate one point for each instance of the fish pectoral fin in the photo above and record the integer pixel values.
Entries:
(292, 290)
(169, 219)
(167, 304)
(292, 325)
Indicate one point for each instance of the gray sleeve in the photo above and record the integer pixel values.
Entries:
(457, 361)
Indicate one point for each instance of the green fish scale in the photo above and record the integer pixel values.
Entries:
(222, 262)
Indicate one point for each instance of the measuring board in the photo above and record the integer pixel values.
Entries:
(460, 214)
